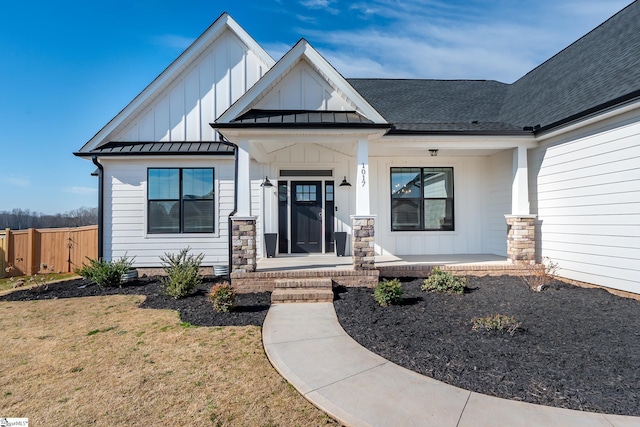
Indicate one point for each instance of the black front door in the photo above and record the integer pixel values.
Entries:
(306, 216)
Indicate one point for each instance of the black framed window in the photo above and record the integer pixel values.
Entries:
(180, 200)
(422, 199)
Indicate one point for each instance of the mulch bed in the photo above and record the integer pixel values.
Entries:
(578, 348)
(251, 309)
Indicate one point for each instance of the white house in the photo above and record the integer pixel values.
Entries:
(545, 167)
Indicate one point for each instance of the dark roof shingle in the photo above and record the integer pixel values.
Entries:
(597, 71)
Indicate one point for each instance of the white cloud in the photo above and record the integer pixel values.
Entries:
(474, 40)
(320, 5)
(81, 190)
(18, 181)
(173, 41)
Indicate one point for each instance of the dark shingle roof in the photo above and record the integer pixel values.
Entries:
(433, 105)
(602, 66)
(599, 70)
(159, 148)
(298, 118)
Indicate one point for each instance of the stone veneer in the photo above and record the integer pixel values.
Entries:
(363, 242)
(243, 244)
(521, 239)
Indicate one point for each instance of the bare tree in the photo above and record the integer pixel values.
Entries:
(21, 219)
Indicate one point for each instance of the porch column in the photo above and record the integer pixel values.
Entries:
(362, 179)
(244, 180)
(243, 225)
(363, 222)
(521, 241)
(243, 244)
(520, 185)
(363, 241)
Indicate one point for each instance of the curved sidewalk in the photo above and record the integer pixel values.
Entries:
(307, 345)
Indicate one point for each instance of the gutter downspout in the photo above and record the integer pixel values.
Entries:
(235, 202)
(95, 161)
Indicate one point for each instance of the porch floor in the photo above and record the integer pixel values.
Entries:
(331, 261)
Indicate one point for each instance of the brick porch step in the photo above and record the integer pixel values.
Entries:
(303, 290)
(284, 295)
(321, 283)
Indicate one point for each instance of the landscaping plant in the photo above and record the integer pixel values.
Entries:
(388, 292)
(496, 322)
(445, 282)
(223, 297)
(105, 273)
(538, 276)
(183, 272)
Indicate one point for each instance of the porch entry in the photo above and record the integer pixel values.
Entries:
(306, 216)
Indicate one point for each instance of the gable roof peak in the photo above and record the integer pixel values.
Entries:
(301, 51)
(187, 57)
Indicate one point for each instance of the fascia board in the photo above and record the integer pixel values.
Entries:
(460, 141)
(205, 39)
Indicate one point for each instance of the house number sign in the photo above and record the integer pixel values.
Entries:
(364, 173)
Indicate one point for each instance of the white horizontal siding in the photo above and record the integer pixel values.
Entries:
(125, 213)
(588, 205)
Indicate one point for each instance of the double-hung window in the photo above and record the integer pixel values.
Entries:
(180, 200)
(421, 199)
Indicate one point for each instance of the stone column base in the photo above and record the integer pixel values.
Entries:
(521, 239)
(243, 244)
(363, 242)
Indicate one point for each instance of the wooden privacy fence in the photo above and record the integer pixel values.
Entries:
(43, 250)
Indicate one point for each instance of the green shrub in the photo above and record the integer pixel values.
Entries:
(445, 282)
(183, 273)
(105, 273)
(496, 322)
(223, 297)
(388, 292)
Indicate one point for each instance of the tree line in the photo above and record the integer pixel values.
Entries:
(21, 219)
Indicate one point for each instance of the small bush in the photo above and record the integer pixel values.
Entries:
(223, 297)
(105, 273)
(444, 282)
(538, 276)
(496, 322)
(388, 292)
(183, 273)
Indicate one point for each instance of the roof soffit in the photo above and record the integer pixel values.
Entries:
(301, 52)
(224, 23)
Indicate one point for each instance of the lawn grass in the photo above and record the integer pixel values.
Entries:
(104, 361)
(8, 283)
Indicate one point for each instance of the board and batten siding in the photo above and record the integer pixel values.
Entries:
(203, 91)
(302, 88)
(499, 178)
(125, 210)
(474, 212)
(586, 189)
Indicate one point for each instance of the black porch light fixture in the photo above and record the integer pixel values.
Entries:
(344, 182)
(266, 182)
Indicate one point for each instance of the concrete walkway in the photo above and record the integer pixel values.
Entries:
(307, 345)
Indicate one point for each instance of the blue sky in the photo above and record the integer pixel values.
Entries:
(68, 67)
